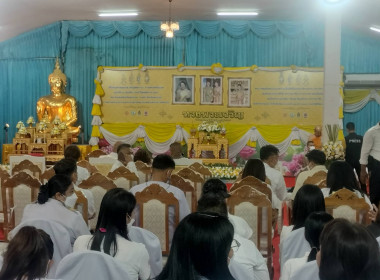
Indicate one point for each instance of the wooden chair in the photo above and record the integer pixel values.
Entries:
(195, 177)
(255, 183)
(39, 161)
(346, 204)
(95, 154)
(318, 179)
(28, 167)
(249, 204)
(81, 205)
(153, 204)
(85, 164)
(102, 164)
(47, 175)
(4, 175)
(98, 185)
(144, 170)
(123, 178)
(17, 191)
(200, 168)
(187, 187)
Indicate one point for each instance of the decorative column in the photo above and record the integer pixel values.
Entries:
(333, 93)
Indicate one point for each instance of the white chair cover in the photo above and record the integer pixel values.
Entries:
(87, 265)
(309, 271)
(294, 246)
(378, 240)
(152, 244)
(58, 234)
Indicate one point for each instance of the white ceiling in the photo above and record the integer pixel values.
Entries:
(19, 16)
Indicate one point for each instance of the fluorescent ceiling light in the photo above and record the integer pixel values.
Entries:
(237, 13)
(375, 29)
(131, 14)
(333, 1)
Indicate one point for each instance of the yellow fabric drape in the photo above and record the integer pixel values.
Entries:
(163, 132)
(353, 96)
(95, 131)
(120, 129)
(99, 89)
(96, 110)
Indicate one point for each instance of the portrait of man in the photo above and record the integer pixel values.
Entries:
(239, 92)
(183, 90)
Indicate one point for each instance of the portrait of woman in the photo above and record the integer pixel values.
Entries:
(239, 92)
(183, 89)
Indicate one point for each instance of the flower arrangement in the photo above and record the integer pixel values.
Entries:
(30, 120)
(55, 131)
(294, 167)
(224, 172)
(333, 151)
(41, 126)
(57, 121)
(210, 127)
(62, 126)
(20, 124)
(22, 130)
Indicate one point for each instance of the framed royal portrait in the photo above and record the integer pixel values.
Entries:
(239, 92)
(183, 90)
(211, 90)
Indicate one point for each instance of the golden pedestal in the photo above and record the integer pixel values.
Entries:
(214, 143)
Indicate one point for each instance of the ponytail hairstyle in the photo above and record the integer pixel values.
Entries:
(56, 184)
(28, 254)
(314, 225)
(112, 220)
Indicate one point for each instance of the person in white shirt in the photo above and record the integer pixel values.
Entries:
(111, 236)
(28, 256)
(51, 206)
(162, 168)
(68, 167)
(341, 175)
(313, 227)
(370, 157)
(73, 152)
(316, 162)
(247, 262)
(125, 158)
(269, 154)
(216, 186)
(309, 199)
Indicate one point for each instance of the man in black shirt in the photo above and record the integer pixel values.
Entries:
(353, 148)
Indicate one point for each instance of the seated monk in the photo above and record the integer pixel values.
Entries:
(58, 103)
(316, 138)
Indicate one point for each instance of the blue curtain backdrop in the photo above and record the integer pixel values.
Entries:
(27, 60)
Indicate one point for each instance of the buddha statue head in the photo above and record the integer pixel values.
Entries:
(57, 80)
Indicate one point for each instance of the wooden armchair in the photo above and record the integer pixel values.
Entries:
(98, 185)
(81, 205)
(250, 204)
(123, 178)
(17, 191)
(201, 169)
(95, 154)
(153, 204)
(255, 183)
(102, 164)
(318, 179)
(144, 170)
(28, 167)
(195, 177)
(188, 189)
(45, 177)
(346, 204)
(90, 168)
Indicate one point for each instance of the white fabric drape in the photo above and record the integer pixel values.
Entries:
(254, 135)
(179, 135)
(352, 108)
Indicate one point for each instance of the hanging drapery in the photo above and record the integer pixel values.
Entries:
(355, 100)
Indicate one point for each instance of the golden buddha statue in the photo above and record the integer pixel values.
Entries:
(58, 103)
